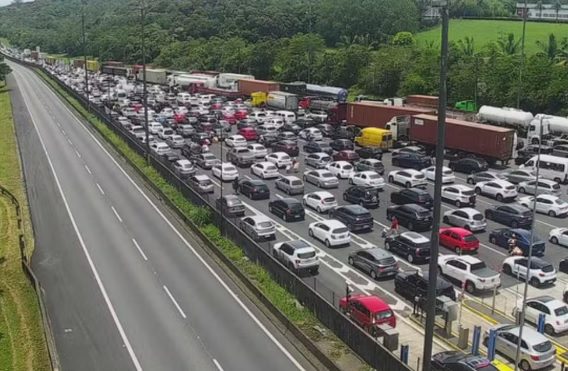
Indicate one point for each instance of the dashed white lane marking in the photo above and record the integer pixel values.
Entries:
(77, 153)
(88, 170)
(139, 249)
(69, 141)
(100, 189)
(116, 214)
(174, 301)
(217, 364)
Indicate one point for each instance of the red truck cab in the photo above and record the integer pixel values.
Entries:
(368, 311)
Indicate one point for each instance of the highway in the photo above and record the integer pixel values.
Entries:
(126, 288)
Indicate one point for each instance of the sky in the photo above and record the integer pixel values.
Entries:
(7, 2)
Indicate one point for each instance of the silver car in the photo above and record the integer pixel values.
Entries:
(467, 218)
(201, 183)
(518, 175)
(258, 227)
(321, 178)
(184, 168)
(483, 176)
(290, 184)
(319, 160)
(545, 186)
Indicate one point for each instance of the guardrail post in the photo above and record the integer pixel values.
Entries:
(404, 354)
(476, 339)
(491, 345)
(541, 322)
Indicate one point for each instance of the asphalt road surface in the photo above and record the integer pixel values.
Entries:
(126, 288)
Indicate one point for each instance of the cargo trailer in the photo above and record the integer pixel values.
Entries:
(230, 94)
(247, 87)
(93, 66)
(153, 76)
(428, 101)
(377, 114)
(230, 80)
(282, 101)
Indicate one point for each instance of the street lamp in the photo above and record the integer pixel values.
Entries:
(145, 92)
(85, 54)
(522, 65)
(433, 267)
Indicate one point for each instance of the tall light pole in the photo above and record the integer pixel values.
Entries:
(145, 92)
(522, 64)
(433, 268)
(85, 53)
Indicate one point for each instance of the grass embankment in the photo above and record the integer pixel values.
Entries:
(486, 31)
(22, 340)
(277, 295)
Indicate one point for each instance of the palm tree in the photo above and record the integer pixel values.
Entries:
(466, 46)
(550, 48)
(507, 45)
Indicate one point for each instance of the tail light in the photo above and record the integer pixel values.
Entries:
(535, 358)
(297, 262)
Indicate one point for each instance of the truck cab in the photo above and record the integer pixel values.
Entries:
(399, 127)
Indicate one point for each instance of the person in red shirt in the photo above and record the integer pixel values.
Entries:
(394, 226)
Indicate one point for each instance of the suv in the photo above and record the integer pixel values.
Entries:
(362, 195)
(297, 255)
(411, 285)
(370, 152)
(413, 196)
(313, 147)
(287, 208)
(459, 195)
(411, 160)
(412, 216)
(376, 262)
(370, 164)
(458, 361)
(230, 205)
(540, 272)
(468, 165)
(411, 245)
(515, 216)
(469, 271)
(240, 156)
(290, 184)
(368, 311)
(254, 189)
(287, 146)
(341, 144)
(355, 217)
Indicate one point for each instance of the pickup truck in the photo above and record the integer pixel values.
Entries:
(469, 271)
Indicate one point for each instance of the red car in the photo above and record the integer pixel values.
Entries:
(458, 239)
(230, 118)
(241, 114)
(368, 311)
(180, 118)
(249, 133)
(346, 155)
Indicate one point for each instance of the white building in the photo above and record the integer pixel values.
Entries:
(547, 12)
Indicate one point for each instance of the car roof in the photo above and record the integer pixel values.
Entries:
(259, 218)
(265, 163)
(469, 210)
(378, 253)
(298, 244)
(289, 200)
(410, 171)
(333, 223)
(415, 237)
(231, 198)
(255, 182)
(466, 258)
(530, 335)
(547, 196)
(320, 154)
(415, 207)
(458, 230)
(354, 208)
(322, 193)
(373, 303)
(368, 172)
(453, 356)
(183, 161)
(202, 177)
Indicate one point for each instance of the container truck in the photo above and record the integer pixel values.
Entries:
(337, 112)
(492, 143)
(338, 94)
(282, 101)
(247, 87)
(428, 101)
(377, 114)
(230, 80)
(154, 76)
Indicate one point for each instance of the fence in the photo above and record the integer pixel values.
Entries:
(313, 294)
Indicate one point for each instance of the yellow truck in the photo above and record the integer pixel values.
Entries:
(258, 98)
(92, 66)
(375, 137)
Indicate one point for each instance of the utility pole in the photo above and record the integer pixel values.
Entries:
(85, 54)
(433, 268)
(145, 92)
(522, 64)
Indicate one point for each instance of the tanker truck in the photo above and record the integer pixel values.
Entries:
(524, 122)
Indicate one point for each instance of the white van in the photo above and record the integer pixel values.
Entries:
(183, 98)
(287, 116)
(551, 167)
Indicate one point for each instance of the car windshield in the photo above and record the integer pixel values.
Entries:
(387, 261)
(307, 255)
(477, 266)
(424, 214)
(271, 168)
(561, 311)
(208, 157)
(383, 315)
(229, 168)
(527, 212)
(478, 217)
(339, 230)
(326, 159)
(470, 238)
(556, 186)
(296, 207)
(447, 172)
(329, 199)
(543, 347)
(205, 182)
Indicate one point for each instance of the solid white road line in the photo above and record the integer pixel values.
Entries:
(77, 153)
(139, 249)
(175, 302)
(116, 214)
(100, 189)
(88, 170)
(82, 242)
(217, 364)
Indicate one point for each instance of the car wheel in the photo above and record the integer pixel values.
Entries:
(469, 287)
(410, 226)
(499, 197)
(508, 270)
(549, 329)
(458, 204)
(410, 258)
(327, 244)
(534, 282)
(350, 260)
(493, 240)
(445, 220)
(514, 224)
(522, 190)
(470, 180)
(525, 365)
(552, 213)
(391, 179)
(351, 181)
(373, 275)
(407, 184)
(478, 190)
(554, 240)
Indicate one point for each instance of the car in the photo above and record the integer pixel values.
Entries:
(160, 148)
(467, 218)
(258, 150)
(321, 201)
(297, 255)
(184, 168)
(560, 150)
(363, 195)
(536, 352)
(453, 360)
(501, 190)
(552, 205)
(258, 227)
(165, 133)
(288, 209)
(517, 176)
(201, 138)
(326, 129)
(236, 141)
(230, 205)
(319, 160)
(555, 313)
(355, 217)
(240, 156)
(376, 262)
(305, 122)
(310, 134)
(185, 130)
(408, 178)
(267, 129)
(154, 127)
(515, 216)
(171, 156)
(468, 165)
(287, 146)
(411, 161)
(291, 127)
(342, 144)
(287, 135)
(248, 132)
(175, 141)
(459, 195)
(540, 273)
(458, 239)
(411, 216)
(483, 176)
(246, 123)
(204, 160)
(254, 189)
(559, 236)
(225, 171)
(368, 311)
(370, 153)
(545, 186)
(340, 169)
(201, 183)
(447, 174)
(280, 159)
(321, 178)
(346, 155)
(367, 178)
(290, 184)
(411, 285)
(410, 149)
(500, 237)
(471, 272)
(315, 147)
(331, 232)
(410, 245)
(265, 170)
(412, 196)
(370, 164)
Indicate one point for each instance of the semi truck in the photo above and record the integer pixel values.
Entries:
(282, 101)
(153, 76)
(338, 94)
(556, 124)
(492, 143)
(246, 86)
(186, 80)
(230, 80)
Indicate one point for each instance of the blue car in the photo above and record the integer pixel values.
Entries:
(411, 160)
(500, 237)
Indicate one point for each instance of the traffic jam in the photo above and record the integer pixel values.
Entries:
(342, 194)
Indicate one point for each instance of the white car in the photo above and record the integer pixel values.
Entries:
(236, 141)
(546, 204)
(265, 170)
(175, 141)
(165, 133)
(470, 271)
(447, 174)
(501, 190)
(154, 127)
(540, 273)
(545, 186)
(280, 159)
(554, 310)
(258, 150)
(559, 236)
(259, 116)
(225, 171)
(160, 148)
(297, 255)
(184, 168)
(407, 177)
(467, 218)
(367, 178)
(258, 227)
(331, 232)
(321, 178)
(276, 122)
(321, 201)
(341, 169)
(459, 195)
(311, 134)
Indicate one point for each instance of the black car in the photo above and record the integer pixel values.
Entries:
(453, 360)
(411, 285)
(413, 196)
(362, 195)
(411, 245)
(190, 149)
(326, 129)
(411, 216)
(171, 156)
(346, 132)
(305, 123)
(291, 127)
(468, 165)
(355, 217)
(370, 152)
(288, 209)
(342, 144)
(287, 146)
(515, 216)
(200, 138)
(411, 160)
(254, 189)
(314, 147)
(268, 140)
